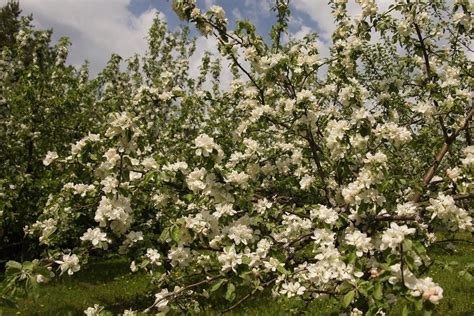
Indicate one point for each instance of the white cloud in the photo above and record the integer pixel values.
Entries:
(257, 9)
(320, 12)
(96, 28)
(302, 32)
(237, 14)
(99, 28)
(209, 3)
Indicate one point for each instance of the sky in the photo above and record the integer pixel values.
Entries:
(98, 28)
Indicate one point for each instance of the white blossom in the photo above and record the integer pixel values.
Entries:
(154, 256)
(50, 157)
(93, 311)
(394, 236)
(96, 237)
(292, 289)
(205, 145)
(195, 180)
(179, 256)
(444, 208)
(161, 301)
(360, 240)
(324, 214)
(240, 234)
(69, 264)
(229, 259)
(468, 152)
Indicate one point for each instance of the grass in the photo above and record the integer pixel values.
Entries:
(457, 291)
(109, 283)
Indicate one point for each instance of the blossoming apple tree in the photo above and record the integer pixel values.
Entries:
(44, 105)
(311, 177)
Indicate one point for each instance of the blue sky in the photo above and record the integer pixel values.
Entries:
(98, 28)
(257, 11)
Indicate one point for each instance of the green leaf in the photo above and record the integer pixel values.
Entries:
(148, 177)
(346, 301)
(230, 293)
(378, 292)
(405, 311)
(188, 197)
(407, 244)
(217, 285)
(418, 305)
(466, 275)
(282, 270)
(28, 265)
(165, 234)
(419, 248)
(176, 234)
(13, 265)
(351, 257)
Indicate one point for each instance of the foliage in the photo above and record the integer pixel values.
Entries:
(102, 282)
(309, 177)
(45, 105)
(9, 23)
(23, 277)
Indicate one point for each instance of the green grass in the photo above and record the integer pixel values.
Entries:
(457, 291)
(109, 283)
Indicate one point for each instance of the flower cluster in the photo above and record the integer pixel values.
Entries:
(311, 176)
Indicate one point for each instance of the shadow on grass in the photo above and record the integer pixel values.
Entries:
(100, 271)
(108, 282)
(105, 282)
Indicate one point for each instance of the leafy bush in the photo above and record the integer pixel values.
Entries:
(311, 176)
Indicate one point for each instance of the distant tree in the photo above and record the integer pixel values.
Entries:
(40, 100)
(10, 17)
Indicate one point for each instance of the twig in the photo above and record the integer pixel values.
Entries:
(454, 240)
(297, 239)
(442, 152)
(173, 295)
(401, 264)
(428, 72)
(246, 297)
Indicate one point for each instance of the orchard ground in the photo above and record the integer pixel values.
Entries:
(110, 284)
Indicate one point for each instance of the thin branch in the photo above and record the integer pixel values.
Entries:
(236, 62)
(453, 240)
(246, 297)
(314, 151)
(120, 175)
(383, 218)
(297, 239)
(173, 295)
(442, 152)
(426, 59)
(402, 264)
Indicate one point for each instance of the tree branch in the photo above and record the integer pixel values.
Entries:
(442, 152)
(246, 297)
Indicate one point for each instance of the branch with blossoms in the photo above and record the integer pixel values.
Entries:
(167, 297)
(293, 179)
(431, 172)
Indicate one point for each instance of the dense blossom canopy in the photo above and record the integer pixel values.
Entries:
(313, 177)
